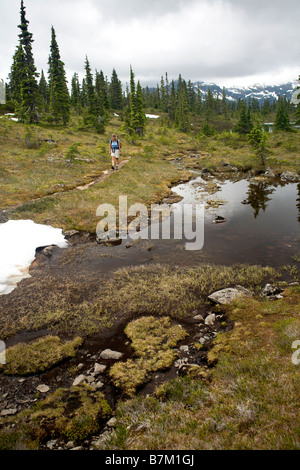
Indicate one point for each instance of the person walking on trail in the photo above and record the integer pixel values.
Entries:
(115, 151)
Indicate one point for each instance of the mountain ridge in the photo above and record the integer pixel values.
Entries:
(256, 91)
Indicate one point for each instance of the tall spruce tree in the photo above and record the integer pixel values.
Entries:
(43, 93)
(282, 122)
(135, 120)
(244, 124)
(115, 92)
(182, 114)
(17, 75)
(23, 77)
(101, 89)
(58, 88)
(95, 111)
(75, 94)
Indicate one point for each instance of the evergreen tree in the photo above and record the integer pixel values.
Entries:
(163, 96)
(115, 92)
(258, 140)
(225, 110)
(191, 96)
(298, 107)
(140, 113)
(209, 104)
(282, 122)
(58, 88)
(198, 101)
(182, 114)
(172, 103)
(101, 89)
(23, 78)
(95, 111)
(83, 94)
(89, 87)
(244, 125)
(135, 120)
(75, 94)
(17, 76)
(43, 93)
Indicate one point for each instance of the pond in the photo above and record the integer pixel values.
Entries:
(262, 220)
(261, 226)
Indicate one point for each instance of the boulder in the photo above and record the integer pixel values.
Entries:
(289, 176)
(226, 296)
(269, 173)
(109, 354)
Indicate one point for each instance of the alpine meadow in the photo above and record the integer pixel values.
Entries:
(135, 343)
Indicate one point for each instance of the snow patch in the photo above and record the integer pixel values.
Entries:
(18, 242)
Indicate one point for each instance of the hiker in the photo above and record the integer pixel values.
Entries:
(114, 150)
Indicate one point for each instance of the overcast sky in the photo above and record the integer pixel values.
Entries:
(230, 42)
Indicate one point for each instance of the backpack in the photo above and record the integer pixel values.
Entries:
(115, 142)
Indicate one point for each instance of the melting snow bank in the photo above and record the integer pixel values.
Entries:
(18, 242)
(152, 116)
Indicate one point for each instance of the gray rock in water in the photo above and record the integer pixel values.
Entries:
(109, 354)
(289, 176)
(226, 296)
(269, 173)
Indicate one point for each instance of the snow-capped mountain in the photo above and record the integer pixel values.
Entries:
(259, 92)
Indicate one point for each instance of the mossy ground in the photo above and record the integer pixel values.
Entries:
(73, 414)
(250, 402)
(153, 340)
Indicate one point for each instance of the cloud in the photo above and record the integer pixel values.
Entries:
(203, 40)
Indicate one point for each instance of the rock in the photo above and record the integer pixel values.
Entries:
(77, 448)
(219, 219)
(112, 422)
(198, 318)
(80, 366)
(99, 384)
(43, 388)
(210, 319)
(99, 368)
(9, 412)
(110, 241)
(270, 290)
(70, 445)
(184, 349)
(289, 176)
(51, 444)
(226, 296)
(269, 173)
(79, 379)
(109, 354)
